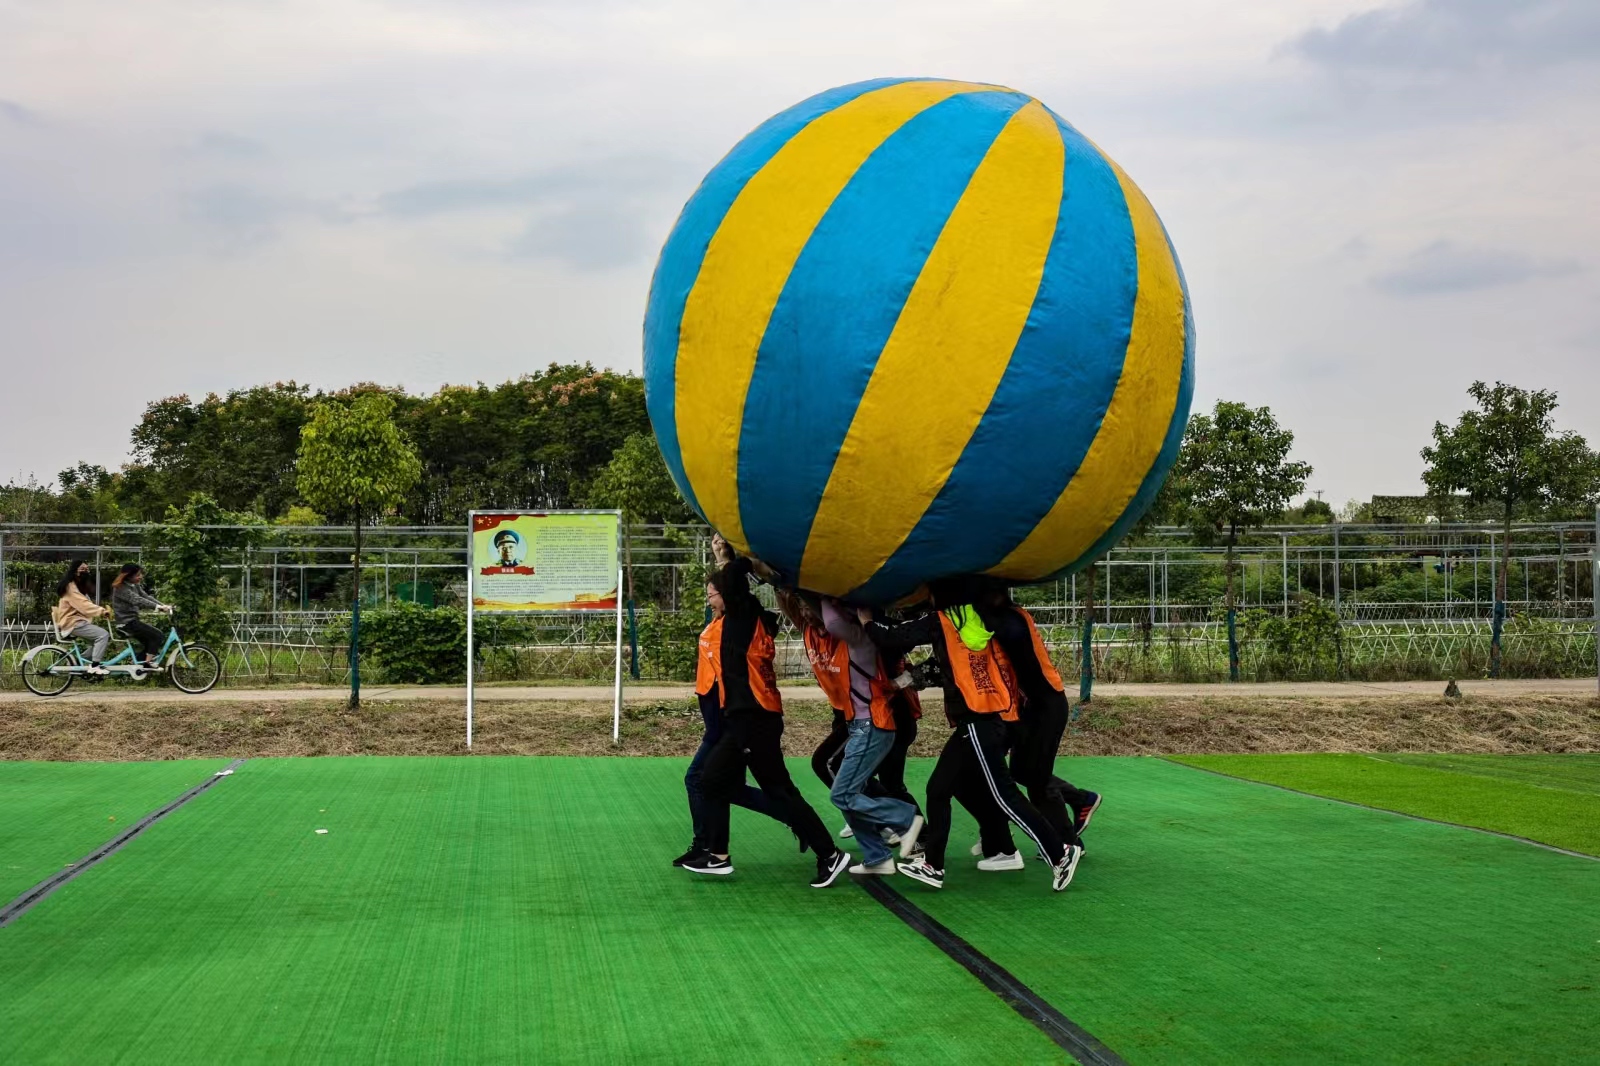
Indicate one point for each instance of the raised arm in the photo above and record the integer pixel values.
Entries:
(895, 640)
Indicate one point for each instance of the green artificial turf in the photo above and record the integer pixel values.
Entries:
(521, 910)
(1216, 921)
(53, 814)
(1505, 794)
(476, 910)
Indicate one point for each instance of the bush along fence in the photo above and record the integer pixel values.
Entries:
(1317, 603)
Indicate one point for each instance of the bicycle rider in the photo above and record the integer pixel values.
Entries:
(75, 613)
(128, 598)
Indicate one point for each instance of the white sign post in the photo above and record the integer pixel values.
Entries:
(522, 562)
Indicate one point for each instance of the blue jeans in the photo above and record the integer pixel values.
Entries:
(868, 815)
(750, 798)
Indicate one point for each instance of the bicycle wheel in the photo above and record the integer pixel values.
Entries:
(195, 668)
(38, 671)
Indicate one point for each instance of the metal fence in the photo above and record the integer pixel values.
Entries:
(1411, 600)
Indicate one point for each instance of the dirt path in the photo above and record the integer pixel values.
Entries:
(1220, 720)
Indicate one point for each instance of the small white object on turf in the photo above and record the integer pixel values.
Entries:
(977, 849)
(847, 832)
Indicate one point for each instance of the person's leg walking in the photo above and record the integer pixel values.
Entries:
(824, 761)
(987, 737)
(994, 828)
(942, 784)
(1033, 756)
(722, 777)
(891, 773)
(868, 815)
(760, 733)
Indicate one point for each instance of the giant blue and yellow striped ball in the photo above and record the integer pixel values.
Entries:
(915, 328)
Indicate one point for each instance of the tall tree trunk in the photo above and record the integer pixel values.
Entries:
(355, 621)
(1233, 617)
(1498, 622)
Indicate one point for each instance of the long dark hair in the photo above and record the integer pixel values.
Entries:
(127, 571)
(72, 578)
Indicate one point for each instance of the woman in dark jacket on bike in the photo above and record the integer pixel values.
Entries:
(128, 598)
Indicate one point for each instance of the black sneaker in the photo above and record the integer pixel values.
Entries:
(1080, 817)
(829, 869)
(1062, 875)
(695, 851)
(707, 863)
(919, 869)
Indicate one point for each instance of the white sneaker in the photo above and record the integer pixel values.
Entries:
(96, 670)
(908, 839)
(880, 869)
(890, 837)
(847, 832)
(1013, 861)
(977, 849)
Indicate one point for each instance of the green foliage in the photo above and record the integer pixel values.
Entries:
(416, 645)
(668, 640)
(190, 576)
(1234, 473)
(1312, 631)
(535, 442)
(353, 459)
(239, 449)
(1507, 452)
(636, 482)
(85, 494)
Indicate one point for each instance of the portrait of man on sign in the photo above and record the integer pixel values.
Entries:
(511, 550)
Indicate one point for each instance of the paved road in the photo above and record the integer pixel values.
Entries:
(642, 693)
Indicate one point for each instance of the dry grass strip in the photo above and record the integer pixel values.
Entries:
(1116, 726)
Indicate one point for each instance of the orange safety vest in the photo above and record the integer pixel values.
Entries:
(830, 661)
(979, 675)
(1043, 653)
(758, 662)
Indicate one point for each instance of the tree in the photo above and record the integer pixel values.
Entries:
(1233, 473)
(636, 483)
(239, 449)
(353, 460)
(196, 537)
(1507, 452)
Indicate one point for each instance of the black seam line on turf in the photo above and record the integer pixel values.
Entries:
(1385, 810)
(1063, 1031)
(15, 909)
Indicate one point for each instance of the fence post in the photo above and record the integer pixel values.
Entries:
(1594, 577)
(1338, 574)
(2, 578)
(1285, 575)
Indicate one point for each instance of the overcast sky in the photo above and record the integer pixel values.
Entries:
(1374, 205)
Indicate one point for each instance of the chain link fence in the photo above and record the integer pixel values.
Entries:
(1405, 601)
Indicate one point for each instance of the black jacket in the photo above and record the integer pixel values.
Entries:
(741, 613)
